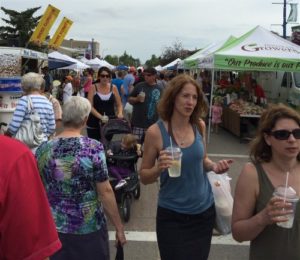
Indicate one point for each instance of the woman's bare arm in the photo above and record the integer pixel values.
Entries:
(246, 225)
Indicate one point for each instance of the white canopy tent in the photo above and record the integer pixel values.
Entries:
(158, 68)
(257, 50)
(78, 65)
(172, 64)
(96, 63)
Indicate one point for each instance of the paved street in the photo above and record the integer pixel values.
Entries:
(141, 226)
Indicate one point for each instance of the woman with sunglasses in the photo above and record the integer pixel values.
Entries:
(104, 98)
(274, 152)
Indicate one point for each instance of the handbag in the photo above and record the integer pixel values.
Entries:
(120, 252)
(30, 131)
(223, 201)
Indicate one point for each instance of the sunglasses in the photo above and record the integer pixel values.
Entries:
(105, 76)
(285, 134)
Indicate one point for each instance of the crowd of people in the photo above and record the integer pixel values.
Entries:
(54, 199)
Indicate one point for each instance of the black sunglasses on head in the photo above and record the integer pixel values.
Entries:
(285, 134)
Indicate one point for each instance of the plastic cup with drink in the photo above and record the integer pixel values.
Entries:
(142, 95)
(104, 119)
(288, 194)
(176, 154)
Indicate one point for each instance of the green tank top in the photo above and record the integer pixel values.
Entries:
(274, 242)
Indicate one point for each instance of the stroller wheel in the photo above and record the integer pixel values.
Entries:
(126, 208)
(137, 191)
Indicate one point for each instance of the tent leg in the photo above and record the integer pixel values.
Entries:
(210, 104)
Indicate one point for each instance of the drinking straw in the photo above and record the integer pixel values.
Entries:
(171, 143)
(286, 185)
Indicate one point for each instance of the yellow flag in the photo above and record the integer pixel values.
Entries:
(41, 31)
(60, 33)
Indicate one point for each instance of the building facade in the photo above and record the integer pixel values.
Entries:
(74, 48)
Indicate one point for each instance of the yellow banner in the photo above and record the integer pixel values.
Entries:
(41, 31)
(60, 33)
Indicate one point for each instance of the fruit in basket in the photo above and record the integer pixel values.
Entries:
(246, 108)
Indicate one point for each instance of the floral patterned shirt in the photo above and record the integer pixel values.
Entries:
(70, 169)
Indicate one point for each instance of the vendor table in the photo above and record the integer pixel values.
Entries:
(238, 124)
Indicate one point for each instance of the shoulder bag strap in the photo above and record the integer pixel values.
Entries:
(29, 104)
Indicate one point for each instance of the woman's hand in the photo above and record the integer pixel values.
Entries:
(276, 211)
(120, 116)
(221, 166)
(164, 161)
(120, 237)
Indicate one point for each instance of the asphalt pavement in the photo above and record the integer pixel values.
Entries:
(140, 229)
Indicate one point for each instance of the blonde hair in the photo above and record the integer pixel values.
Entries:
(32, 81)
(129, 140)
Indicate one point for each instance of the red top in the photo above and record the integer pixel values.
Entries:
(27, 229)
(259, 92)
(88, 83)
(224, 83)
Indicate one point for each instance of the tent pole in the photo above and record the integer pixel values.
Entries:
(210, 103)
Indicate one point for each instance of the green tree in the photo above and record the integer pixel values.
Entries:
(20, 26)
(128, 60)
(153, 62)
(112, 59)
(173, 52)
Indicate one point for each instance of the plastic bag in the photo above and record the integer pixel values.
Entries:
(223, 201)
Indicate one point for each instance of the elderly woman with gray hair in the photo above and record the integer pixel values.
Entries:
(74, 172)
(31, 85)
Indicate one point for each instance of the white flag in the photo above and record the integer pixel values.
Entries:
(293, 13)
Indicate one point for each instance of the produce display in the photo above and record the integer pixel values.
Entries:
(246, 108)
(10, 65)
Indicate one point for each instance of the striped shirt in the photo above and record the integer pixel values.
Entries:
(44, 109)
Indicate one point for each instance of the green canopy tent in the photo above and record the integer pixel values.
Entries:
(191, 62)
(257, 50)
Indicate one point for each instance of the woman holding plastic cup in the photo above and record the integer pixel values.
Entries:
(106, 102)
(175, 152)
(266, 208)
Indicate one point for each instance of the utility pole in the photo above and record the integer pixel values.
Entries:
(92, 48)
(284, 20)
(284, 23)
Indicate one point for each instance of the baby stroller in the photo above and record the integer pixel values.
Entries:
(111, 133)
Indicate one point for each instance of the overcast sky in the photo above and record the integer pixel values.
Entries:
(142, 28)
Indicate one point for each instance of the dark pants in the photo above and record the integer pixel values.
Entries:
(83, 247)
(94, 133)
(184, 236)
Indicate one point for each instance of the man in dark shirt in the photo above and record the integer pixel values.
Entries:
(144, 99)
(48, 79)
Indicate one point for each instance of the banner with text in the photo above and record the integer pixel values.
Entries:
(46, 22)
(256, 63)
(60, 33)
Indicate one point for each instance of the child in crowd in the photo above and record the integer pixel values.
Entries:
(217, 111)
(127, 146)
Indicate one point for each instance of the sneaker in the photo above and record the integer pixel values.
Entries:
(120, 184)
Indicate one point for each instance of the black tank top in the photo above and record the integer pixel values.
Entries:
(102, 106)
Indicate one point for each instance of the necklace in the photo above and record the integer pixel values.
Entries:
(181, 138)
(175, 134)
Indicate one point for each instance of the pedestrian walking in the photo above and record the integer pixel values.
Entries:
(144, 99)
(258, 215)
(186, 211)
(74, 172)
(106, 102)
(26, 225)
